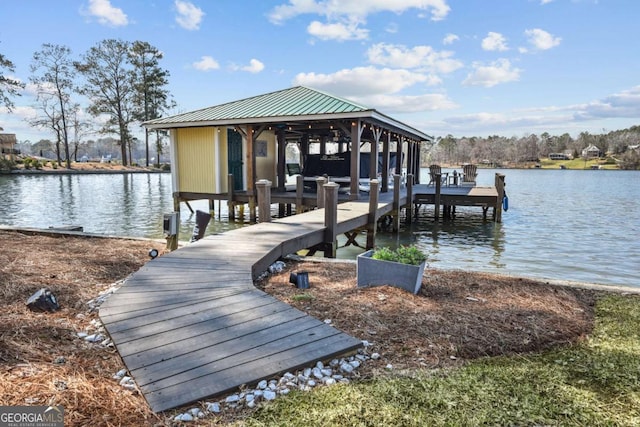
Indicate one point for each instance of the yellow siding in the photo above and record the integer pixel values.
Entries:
(266, 166)
(196, 160)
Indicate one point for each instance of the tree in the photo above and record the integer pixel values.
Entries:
(55, 81)
(109, 87)
(151, 97)
(8, 87)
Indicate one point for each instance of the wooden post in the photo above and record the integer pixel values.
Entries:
(320, 182)
(385, 162)
(230, 204)
(331, 219)
(372, 223)
(497, 210)
(354, 189)
(264, 199)
(172, 241)
(409, 206)
(299, 193)
(281, 159)
(251, 173)
(436, 202)
(396, 202)
(212, 208)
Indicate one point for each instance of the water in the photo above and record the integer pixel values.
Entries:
(561, 224)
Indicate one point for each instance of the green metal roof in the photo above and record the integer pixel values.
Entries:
(293, 104)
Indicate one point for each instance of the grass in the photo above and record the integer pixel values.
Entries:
(594, 383)
(578, 163)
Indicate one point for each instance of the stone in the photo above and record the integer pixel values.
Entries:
(213, 407)
(375, 356)
(316, 372)
(269, 395)
(346, 368)
(262, 384)
(234, 398)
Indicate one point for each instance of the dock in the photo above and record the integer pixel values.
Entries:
(190, 325)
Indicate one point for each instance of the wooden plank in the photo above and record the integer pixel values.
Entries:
(232, 353)
(141, 352)
(152, 301)
(144, 305)
(196, 318)
(289, 359)
(239, 302)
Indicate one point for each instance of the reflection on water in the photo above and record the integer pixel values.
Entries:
(572, 225)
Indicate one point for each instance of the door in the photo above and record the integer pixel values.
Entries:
(234, 150)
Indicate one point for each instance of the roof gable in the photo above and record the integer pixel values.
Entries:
(292, 102)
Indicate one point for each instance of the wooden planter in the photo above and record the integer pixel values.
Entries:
(374, 272)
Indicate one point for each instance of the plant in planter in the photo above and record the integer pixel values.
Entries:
(402, 267)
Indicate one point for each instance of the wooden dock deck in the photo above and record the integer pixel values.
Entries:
(191, 325)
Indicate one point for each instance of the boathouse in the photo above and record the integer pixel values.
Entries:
(220, 152)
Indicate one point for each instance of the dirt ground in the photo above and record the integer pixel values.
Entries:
(456, 317)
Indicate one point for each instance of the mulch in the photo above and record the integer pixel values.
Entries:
(456, 317)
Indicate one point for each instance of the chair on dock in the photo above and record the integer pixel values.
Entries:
(434, 171)
(469, 174)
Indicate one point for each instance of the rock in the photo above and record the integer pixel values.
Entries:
(121, 373)
(389, 366)
(213, 407)
(262, 384)
(375, 356)
(251, 404)
(326, 372)
(234, 398)
(317, 373)
(346, 368)
(328, 381)
(43, 300)
(269, 395)
(183, 417)
(355, 364)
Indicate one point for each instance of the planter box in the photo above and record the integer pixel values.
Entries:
(374, 272)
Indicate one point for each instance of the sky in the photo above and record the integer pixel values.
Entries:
(445, 67)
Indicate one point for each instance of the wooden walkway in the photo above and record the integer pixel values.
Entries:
(191, 325)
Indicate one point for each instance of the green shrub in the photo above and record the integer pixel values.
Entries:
(54, 165)
(404, 255)
(28, 163)
(6, 164)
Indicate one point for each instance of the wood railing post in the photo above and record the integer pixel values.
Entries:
(436, 202)
(320, 182)
(263, 188)
(497, 210)
(299, 193)
(331, 219)
(372, 223)
(409, 205)
(396, 202)
(230, 204)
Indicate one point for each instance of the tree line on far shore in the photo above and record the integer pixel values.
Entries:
(621, 146)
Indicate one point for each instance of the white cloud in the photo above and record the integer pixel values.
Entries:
(394, 104)
(494, 41)
(618, 105)
(361, 81)
(106, 13)
(417, 57)
(497, 72)
(333, 9)
(337, 31)
(254, 66)
(541, 40)
(450, 38)
(189, 15)
(545, 1)
(206, 63)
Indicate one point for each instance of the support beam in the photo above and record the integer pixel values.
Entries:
(436, 201)
(230, 203)
(386, 154)
(396, 202)
(299, 193)
(409, 206)
(320, 182)
(356, 131)
(281, 159)
(500, 184)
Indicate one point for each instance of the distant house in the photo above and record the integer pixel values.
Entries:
(591, 152)
(7, 144)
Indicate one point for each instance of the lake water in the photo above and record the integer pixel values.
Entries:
(561, 224)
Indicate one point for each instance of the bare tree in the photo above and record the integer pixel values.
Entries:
(109, 87)
(8, 87)
(53, 74)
